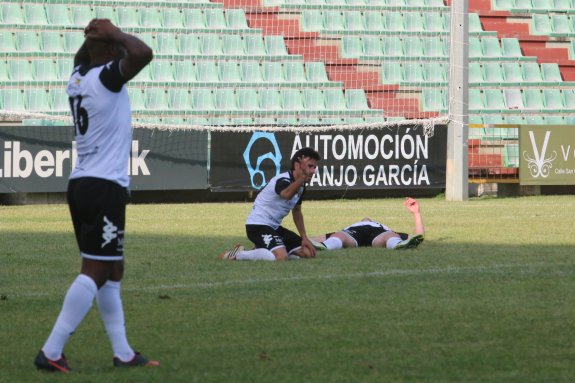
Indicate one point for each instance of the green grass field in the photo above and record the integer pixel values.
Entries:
(488, 297)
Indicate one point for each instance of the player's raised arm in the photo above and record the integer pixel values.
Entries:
(413, 206)
(136, 53)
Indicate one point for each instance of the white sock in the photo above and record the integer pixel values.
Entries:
(112, 312)
(333, 243)
(77, 303)
(392, 242)
(255, 255)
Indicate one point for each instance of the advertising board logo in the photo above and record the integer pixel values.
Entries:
(539, 165)
(257, 176)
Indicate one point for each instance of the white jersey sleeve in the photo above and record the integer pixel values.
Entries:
(102, 120)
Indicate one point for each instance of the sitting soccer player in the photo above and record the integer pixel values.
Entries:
(367, 233)
(284, 193)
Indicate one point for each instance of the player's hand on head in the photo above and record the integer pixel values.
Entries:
(101, 30)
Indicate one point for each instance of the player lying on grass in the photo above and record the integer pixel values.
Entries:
(368, 232)
(284, 193)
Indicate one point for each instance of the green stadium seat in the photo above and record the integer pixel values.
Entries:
(273, 72)
(314, 99)
(35, 14)
(161, 70)
(333, 20)
(374, 20)
(434, 22)
(107, 12)
(137, 99)
(504, 5)
(52, 42)
(292, 99)
(434, 100)
(392, 46)
(434, 73)
(64, 68)
(351, 46)
(179, 99)
(233, 45)
(494, 99)
(541, 5)
(275, 45)
(354, 21)
(512, 73)
(225, 99)
(211, 45)
(412, 73)
(3, 72)
(7, 42)
(230, 72)
(81, 15)
(12, 99)
(355, 99)
(534, 119)
(194, 18)
(412, 46)
(475, 48)
(513, 99)
(202, 99)
(150, 17)
(19, 70)
(553, 100)
(311, 20)
(166, 43)
(514, 120)
(207, 71)
(270, 99)
(413, 21)
(393, 22)
(561, 25)
(563, 5)
(254, 45)
(184, 71)
(522, 6)
(569, 98)
(550, 72)
(156, 99)
(215, 18)
(334, 99)
(433, 47)
(294, 71)
(73, 41)
(533, 99)
(172, 18)
(37, 100)
(510, 47)
(531, 73)
(492, 73)
(248, 99)
(27, 41)
(475, 100)
(12, 13)
(315, 72)
(371, 46)
(554, 120)
(201, 121)
(236, 18)
(128, 17)
(475, 73)
(491, 47)
(149, 39)
(189, 44)
(251, 72)
(541, 24)
(475, 26)
(391, 72)
(44, 70)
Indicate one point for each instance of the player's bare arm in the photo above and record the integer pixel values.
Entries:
(137, 53)
(304, 170)
(413, 206)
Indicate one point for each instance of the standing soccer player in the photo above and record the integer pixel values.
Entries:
(281, 195)
(98, 188)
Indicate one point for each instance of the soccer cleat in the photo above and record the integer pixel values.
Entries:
(231, 254)
(137, 361)
(409, 243)
(318, 245)
(43, 363)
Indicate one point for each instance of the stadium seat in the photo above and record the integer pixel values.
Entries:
(391, 72)
(311, 20)
(351, 47)
(172, 18)
(569, 98)
(161, 70)
(371, 46)
(44, 70)
(207, 71)
(412, 73)
(510, 48)
(494, 99)
(434, 22)
(541, 24)
(561, 25)
(563, 5)
(314, 99)
(12, 13)
(251, 72)
(225, 99)
(412, 46)
(275, 45)
(211, 45)
(522, 6)
(73, 41)
(166, 43)
(393, 22)
(19, 70)
(202, 99)
(215, 18)
(334, 99)
(3, 72)
(254, 45)
(532, 73)
(202, 121)
(492, 73)
(316, 72)
(194, 18)
(27, 41)
(81, 15)
(554, 120)
(491, 47)
(248, 99)
(52, 42)
(514, 119)
(37, 100)
(156, 99)
(475, 73)
(513, 98)
(434, 100)
(7, 42)
(292, 99)
(236, 18)
(475, 26)
(12, 99)
(475, 48)
(354, 21)
(434, 73)
(374, 20)
(355, 99)
(150, 17)
(534, 119)
(533, 99)
(512, 73)
(413, 22)
(541, 5)
(333, 20)
(433, 47)
(107, 12)
(58, 14)
(233, 45)
(273, 72)
(35, 14)
(550, 72)
(392, 46)
(553, 100)
(270, 99)
(179, 99)
(230, 72)
(64, 67)
(475, 100)
(189, 44)
(294, 71)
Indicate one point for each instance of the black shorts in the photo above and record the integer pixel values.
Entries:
(266, 237)
(98, 209)
(364, 235)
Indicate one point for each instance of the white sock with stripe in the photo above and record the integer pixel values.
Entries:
(255, 255)
(333, 243)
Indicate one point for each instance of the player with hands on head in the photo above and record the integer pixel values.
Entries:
(284, 193)
(98, 188)
(368, 232)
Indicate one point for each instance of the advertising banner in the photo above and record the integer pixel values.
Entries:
(546, 155)
(390, 158)
(40, 159)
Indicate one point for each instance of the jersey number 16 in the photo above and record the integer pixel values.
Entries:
(79, 114)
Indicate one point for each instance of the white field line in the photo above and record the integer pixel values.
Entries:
(493, 269)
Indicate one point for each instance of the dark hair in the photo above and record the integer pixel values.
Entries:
(304, 152)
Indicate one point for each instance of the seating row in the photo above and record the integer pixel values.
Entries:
(78, 15)
(534, 6)
(554, 25)
(514, 73)
(532, 119)
(422, 4)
